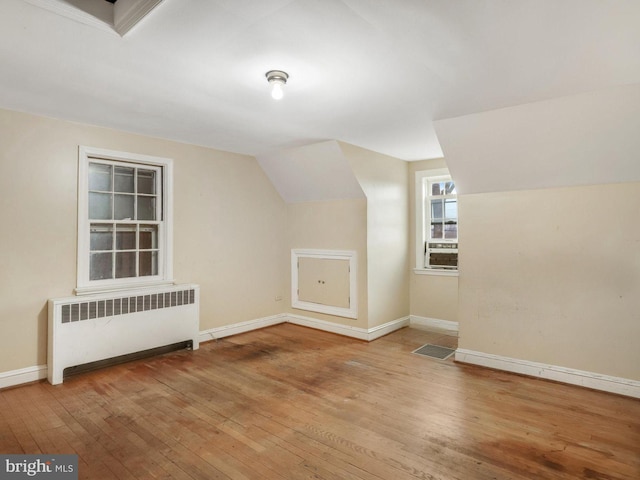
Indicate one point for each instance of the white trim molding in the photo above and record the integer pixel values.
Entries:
(22, 375)
(387, 328)
(242, 327)
(317, 324)
(435, 324)
(346, 330)
(436, 272)
(596, 381)
(331, 327)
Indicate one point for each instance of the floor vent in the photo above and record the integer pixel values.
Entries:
(434, 351)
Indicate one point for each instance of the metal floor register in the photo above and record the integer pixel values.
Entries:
(434, 351)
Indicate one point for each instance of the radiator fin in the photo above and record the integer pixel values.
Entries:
(73, 312)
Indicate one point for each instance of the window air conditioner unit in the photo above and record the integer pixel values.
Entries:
(442, 255)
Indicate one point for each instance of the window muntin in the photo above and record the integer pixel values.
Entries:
(124, 224)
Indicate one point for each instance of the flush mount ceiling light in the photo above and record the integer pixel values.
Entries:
(277, 79)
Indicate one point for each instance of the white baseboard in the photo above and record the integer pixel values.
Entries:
(242, 327)
(386, 328)
(446, 326)
(23, 375)
(346, 330)
(355, 332)
(621, 386)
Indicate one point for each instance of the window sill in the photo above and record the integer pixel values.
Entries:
(137, 286)
(436, 272)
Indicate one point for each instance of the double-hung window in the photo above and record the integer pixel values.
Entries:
(436, 222)
(124, 220)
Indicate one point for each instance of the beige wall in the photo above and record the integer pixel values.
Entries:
(553, 276)
(331, 225)
(432, 296)
(229, 228)
(384, 181)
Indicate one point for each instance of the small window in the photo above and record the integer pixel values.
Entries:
(124, 223)
(436, 221)
(442, 205)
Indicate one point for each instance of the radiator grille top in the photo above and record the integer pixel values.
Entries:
(77, 311)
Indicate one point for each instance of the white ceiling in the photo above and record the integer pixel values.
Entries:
(374, 73)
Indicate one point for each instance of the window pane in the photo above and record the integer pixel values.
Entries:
(126, 237)
(436, 230)
(451, 230)
(451, 208)
(101, 237)
(123, 207)
(437, 188)
(100, 206)
(101, 266)
(450, 188)
(123, 180)
(146, 208)
(146, 181)
(99, 177)
(148, 237)
(148, 263)
(436, 209)
(125, 264)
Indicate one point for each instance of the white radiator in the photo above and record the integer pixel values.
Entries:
(91, 328)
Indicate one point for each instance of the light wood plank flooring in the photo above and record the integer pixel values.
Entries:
(288, 402)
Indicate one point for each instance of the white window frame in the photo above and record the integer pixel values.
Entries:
(423, 223)
(165, 231)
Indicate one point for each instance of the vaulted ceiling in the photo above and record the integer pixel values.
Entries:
(374, 73)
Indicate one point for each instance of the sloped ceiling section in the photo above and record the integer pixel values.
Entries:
(590, 138)
(311, 173)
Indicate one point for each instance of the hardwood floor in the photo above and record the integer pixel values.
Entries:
(288, 402)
